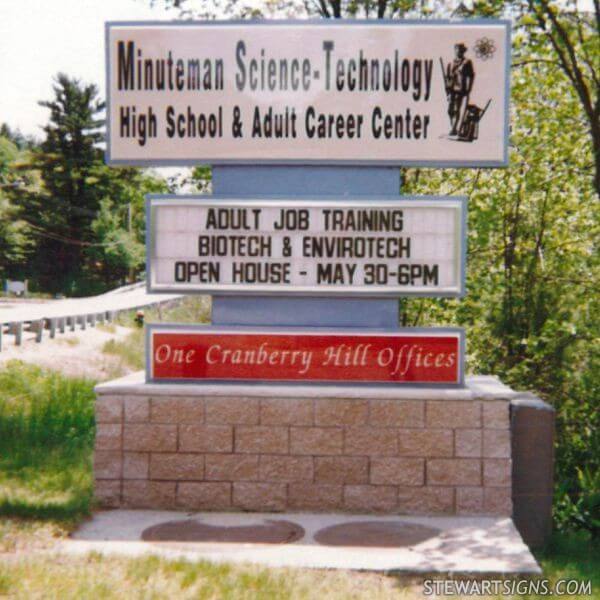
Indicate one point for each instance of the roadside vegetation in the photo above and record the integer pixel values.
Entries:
(152, 577)
(112, 578)
(193, 309)
(46, 440)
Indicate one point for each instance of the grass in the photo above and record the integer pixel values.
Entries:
(70, 341)
(20, 536)
(151, 577)
(96, 576)
(189, 309)
(107, 327)
(572, 556)
(131, 350)
(46, 438)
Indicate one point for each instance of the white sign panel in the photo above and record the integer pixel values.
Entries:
(374, 247)
(391, 92)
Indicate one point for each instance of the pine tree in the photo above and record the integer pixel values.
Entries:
(13, 232)
(62, 214)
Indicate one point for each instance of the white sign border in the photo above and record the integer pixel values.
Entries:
(310, 162)
(460, 248)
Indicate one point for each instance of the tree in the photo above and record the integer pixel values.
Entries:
(14, 235)
(119, 254)
(247, 9)
(22, 142)
(574, 38)
(87, 218)
(329, 9)
(62, 212)
(532, 307)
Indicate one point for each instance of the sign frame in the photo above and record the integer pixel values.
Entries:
(474, 163)
(460, 245)
(459, 332)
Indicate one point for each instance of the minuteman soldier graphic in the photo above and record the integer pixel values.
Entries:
(459, 76)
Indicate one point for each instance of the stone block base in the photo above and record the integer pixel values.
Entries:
(296, 448)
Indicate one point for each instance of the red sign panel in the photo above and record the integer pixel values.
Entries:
(225, 355)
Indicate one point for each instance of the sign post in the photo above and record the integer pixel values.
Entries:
(314, 311)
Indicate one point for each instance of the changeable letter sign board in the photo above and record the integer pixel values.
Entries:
(344, 247)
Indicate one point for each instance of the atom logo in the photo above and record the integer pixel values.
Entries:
(484, 48)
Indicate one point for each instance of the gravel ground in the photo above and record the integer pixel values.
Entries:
(78, 353)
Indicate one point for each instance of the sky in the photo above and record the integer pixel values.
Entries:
(39, 38)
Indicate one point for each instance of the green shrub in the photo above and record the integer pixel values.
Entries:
(43, 409)
(578, 507)
(131, 349)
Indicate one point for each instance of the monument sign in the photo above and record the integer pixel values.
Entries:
(306, 392)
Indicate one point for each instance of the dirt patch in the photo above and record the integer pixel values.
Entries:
(271, 532)
(382, 534)
(75, 353)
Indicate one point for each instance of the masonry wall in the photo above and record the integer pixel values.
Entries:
(532, 439)
(203, 452)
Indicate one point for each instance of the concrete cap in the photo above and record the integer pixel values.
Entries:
(476, 388)
(529, 400)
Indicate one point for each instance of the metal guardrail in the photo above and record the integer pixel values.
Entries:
(71, 313)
